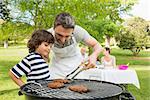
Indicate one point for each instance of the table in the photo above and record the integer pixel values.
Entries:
(113, 75)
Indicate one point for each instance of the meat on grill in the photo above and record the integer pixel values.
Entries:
(55, 85)
(79, 88)
(61, 81)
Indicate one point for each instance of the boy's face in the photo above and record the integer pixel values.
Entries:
(44, 49)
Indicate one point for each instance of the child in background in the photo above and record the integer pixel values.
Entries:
(34, 65)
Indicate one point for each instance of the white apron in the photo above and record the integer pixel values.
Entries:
(65, 60)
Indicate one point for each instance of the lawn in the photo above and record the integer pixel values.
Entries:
(10, 56)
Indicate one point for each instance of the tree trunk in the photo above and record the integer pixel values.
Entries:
(135, 51)
(114, 42)
(107, 41)
(5, 44)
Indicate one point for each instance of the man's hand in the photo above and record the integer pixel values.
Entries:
(91, 61)
(97, 49)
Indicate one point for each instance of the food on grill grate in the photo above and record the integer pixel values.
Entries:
(61, 81)
(55, 85)
(97, 91)
(79, 88)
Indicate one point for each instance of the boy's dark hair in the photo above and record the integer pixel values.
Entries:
(38, 37)
(64, 19)
(107, 49)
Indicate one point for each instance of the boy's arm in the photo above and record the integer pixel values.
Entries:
(18, 81)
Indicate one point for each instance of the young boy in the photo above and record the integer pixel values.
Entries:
(34, 65)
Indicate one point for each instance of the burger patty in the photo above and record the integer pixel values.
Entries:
(78, 88)
(55, 85)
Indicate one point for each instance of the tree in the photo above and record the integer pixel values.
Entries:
(4, 11)
(105, 28)
(41, 13)
(134, 36)
(32, 11)
(106, 22)
(5, 16)
(14, 31)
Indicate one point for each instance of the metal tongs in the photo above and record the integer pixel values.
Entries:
(78, 70)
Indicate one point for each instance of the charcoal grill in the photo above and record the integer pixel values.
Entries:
(98, 91)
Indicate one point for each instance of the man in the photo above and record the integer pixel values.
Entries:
(67, 56)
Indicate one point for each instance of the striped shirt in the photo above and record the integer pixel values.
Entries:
(33, 66)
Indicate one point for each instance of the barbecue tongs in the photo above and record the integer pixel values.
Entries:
(79, 69)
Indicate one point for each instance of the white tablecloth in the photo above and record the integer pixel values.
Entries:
(111, 75)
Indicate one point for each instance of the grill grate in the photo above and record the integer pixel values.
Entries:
(98, 90)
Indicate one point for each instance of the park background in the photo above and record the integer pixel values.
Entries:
(114, 23)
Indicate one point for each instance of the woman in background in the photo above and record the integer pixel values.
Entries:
(108, 60)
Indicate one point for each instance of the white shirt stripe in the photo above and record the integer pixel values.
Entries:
(37, 61)
(38, 66)
(24, 67)
(19, 71)
(40, 71)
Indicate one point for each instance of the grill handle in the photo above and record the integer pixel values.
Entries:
(20, 93)
(32, 82)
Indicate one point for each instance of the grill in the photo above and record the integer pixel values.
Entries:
(98, 91)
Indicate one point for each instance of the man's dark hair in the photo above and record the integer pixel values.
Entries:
(107, 49)
(38, 37)
(64, 19)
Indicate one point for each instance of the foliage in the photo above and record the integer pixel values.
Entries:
(134, 36)
(106, 21)
(14, 31)
(41, 14)
(4, 11)
(11, 30)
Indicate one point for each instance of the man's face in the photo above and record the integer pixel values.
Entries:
(62, 34)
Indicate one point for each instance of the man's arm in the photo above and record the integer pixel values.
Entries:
(82, 35)
(97, 48)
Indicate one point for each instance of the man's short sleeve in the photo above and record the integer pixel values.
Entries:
(80, 34)
(22, 68)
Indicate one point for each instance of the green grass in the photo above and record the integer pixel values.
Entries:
(126, 56)
(9, 57)
(144, 92)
